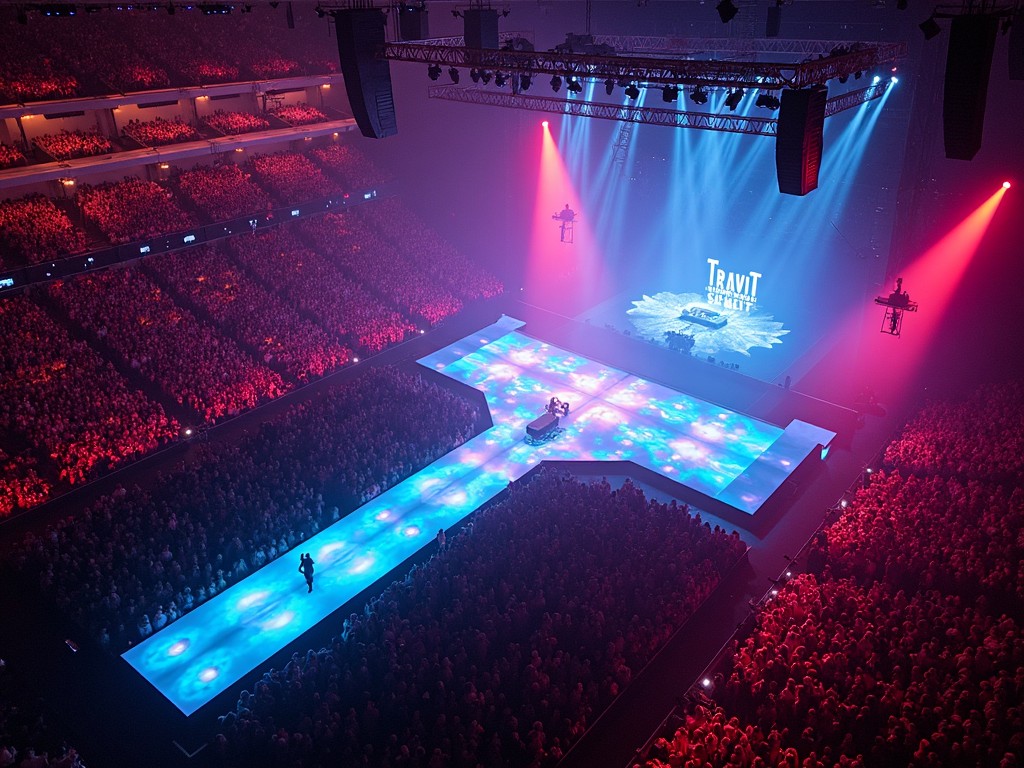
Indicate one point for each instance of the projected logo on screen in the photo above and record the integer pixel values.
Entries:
(714, 329)
(732, 290)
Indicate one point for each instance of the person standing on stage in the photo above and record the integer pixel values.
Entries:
(306, 569)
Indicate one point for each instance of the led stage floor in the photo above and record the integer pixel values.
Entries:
(615, 416)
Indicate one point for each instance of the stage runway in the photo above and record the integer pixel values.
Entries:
(614, 416)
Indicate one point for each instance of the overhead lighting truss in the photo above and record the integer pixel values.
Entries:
(663, 71)
(728, 123)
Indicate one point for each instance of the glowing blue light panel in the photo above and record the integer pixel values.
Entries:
(614, 416)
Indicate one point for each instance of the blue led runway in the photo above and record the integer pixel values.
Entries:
(615, 416)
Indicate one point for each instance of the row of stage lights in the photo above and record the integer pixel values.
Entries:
(59, 10)
(669, 93)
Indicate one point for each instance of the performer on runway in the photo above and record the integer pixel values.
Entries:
(306, 569)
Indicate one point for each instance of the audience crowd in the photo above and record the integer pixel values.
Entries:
(34, 229)
(132, 209)
(500, 650)
(28, 739)
(374, 261)
(356, 171)
(109, 53)
(299, 114)
(248, 312)
(973, 438)
(21, 486)
(10, 156)
(222, 191)
(312, 282)
(136, 560)
(153, 133)
(901, 645)
(66, 145)
(291, 177)
(67, 402)
(234, 123)
(428, 251)
(187, 359)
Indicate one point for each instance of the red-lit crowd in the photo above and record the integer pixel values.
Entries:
(34, 229)
(67, 145)
(902, 643)
(189, 360)
(247, 311)
(68, 403)
(234, 123)
(298, 114)
(132, 209)
(291, 177)
(502, 648)
(153, 133)
(222, 191)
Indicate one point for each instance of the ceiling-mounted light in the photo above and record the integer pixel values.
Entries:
(699, 95)
(453, 73)
(609, 86)
(556, 83)
(632, 91)
(670, 93)
(434, 71)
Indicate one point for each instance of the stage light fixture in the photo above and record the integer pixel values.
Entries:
(453, 73)
(670, 93)
(556, 83)
(930, 27)
(609, 86)
(699, 95)
(320, 13)
(544, 124)
(857, 75)
(1006, 185)
(434, 71)
(726, 11)
(768, 101)
(525, 81)
(474, 75)
(485, 76)
(170, 9)
(500, 78)
(733, 99)
(632, 92)
(843, 78)
(574, 86)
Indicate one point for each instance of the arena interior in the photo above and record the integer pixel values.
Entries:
(528, 384)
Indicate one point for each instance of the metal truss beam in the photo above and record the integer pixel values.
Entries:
(460, 42)
(728, 123)
(709, 73)
(702, 46)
